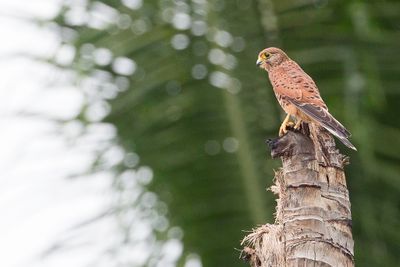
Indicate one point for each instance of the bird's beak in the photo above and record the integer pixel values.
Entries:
(259, 63)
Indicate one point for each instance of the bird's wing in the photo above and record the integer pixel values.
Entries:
(326, 120)
(322, 116)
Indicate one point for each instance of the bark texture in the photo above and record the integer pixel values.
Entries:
(313, 216)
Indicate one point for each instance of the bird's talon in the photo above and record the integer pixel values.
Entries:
(298, 124)
(282, 130)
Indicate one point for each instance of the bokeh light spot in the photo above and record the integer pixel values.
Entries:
(180, 41)
(65, 54)
(219, 79)
(216, 56)
(102, 56)
(223, 38)
(175, 232)
(212, 147)
(131, 160)
(97, 111)
(230, 144)
(144, 175)
(238, 44)
(193, 260)
(122, 83)
(199, 71)
(124, 66)
(181, 21)
(133, 4)
(199, 28)
(124, 21)
(140, 26)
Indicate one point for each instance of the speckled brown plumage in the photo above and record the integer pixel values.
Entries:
(298, 94)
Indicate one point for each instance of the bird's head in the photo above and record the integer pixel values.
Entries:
(271, 57)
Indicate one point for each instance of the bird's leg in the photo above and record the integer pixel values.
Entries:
(282, 129)
(298, 123)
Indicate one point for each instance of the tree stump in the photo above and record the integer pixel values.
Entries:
(313, 216)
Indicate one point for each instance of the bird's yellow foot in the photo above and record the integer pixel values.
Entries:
(285, 123)
(298, 124)
(282, 130)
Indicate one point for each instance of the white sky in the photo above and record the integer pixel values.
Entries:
(38, 203)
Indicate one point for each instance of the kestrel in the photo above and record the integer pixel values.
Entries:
(298, 94)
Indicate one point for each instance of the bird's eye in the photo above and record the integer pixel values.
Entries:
(266, 55)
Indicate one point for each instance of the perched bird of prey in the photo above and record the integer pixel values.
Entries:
(298, 94)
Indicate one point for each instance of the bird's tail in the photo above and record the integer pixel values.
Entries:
(326, 120)
(342, 138)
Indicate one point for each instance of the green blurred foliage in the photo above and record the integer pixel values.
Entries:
(195, 108)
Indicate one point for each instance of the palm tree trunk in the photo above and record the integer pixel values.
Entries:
(313, 217)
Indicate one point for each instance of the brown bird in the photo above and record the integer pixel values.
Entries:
(298, 94)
